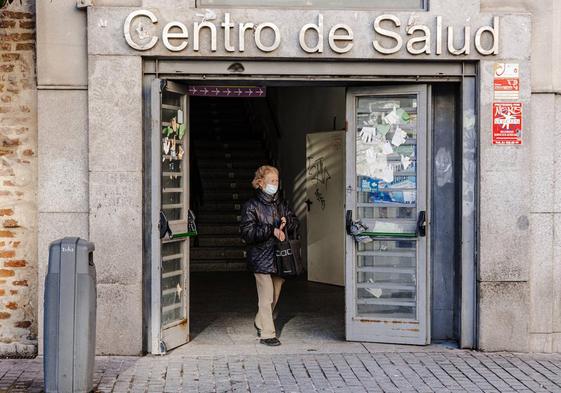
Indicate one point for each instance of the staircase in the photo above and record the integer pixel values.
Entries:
(226, 152)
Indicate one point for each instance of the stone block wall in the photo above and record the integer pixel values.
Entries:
(520, 295)
(18, 144)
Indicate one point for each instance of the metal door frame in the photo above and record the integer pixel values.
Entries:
(422, 91)
(154, 341)
(348, 73)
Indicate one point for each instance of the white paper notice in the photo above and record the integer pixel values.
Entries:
(392, 117)
(399, 137)
(376, 292)
(387, 149)
(506, 70)
(409, 196)
(367, 134)
(405, 161)
(376, 163)
(387, 174)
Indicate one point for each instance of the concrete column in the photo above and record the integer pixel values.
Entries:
(115, 188)
(62, 130)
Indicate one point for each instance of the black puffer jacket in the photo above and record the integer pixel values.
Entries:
(260, 216)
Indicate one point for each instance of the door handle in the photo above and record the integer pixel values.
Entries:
(422, 223)
(348, 221)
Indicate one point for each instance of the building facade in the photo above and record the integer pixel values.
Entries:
(18, 171)
(480, 85)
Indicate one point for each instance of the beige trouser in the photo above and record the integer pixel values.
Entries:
(268, 291)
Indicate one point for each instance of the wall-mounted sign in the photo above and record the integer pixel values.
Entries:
(506, 82)
(227, 91)
(507, 123)
(390, 35)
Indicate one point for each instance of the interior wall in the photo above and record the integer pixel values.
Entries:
(299, 111)
(445, 258)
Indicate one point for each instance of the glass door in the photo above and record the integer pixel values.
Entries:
(170, 206)
(386, 249)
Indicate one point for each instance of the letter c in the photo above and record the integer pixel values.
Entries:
(127, 28)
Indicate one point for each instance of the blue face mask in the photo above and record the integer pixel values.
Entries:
(271, 189)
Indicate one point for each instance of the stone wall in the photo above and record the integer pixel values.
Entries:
(18, 144)
(520, 273)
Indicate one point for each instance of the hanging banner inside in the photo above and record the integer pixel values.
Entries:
(227, 91)
(506, 82)
(507, 123)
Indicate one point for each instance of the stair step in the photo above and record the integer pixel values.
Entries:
(221, 131)
(218, 104)
(211, 185)
(223, 196)
(220, 241)
(218, 265)
(204, 229)
(212, 115)
(225, 173)
(238, 145)
(230, 164)
(227, 136)
(199, 253)
(218, 218)
(230, 154)
(230, 109)
(222, 134)
(227, 207)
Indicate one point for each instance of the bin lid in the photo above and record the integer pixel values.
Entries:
(70, 249)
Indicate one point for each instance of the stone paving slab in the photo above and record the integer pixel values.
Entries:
(417, 370)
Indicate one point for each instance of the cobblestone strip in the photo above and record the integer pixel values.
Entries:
(419, 372)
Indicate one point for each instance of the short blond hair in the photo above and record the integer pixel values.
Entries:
(261, 172)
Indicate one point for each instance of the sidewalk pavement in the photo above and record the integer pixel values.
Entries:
(347, 367)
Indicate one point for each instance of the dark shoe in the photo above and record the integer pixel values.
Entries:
(271, 342)
(258, 330)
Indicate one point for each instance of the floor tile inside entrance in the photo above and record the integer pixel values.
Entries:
(223, 305)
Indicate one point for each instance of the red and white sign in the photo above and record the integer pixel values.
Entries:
(507, 123)
(506, 83)
(507, 89)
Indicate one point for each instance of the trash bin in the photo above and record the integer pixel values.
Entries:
(69, 315)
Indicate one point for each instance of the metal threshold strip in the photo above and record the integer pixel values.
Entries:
(388, 302)
(391, 269)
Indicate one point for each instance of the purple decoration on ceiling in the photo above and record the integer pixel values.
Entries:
(227, 91)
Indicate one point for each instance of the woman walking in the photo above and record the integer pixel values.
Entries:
(265, 220)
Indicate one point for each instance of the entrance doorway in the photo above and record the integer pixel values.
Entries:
(385, 134)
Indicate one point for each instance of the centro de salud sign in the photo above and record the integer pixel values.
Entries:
(417, 38)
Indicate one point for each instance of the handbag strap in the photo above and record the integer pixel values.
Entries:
(282, 213)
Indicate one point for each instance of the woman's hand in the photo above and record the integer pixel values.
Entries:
(279, 234)
(283, 223)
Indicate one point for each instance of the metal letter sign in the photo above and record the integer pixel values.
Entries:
(142, 32)
(507, 123)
